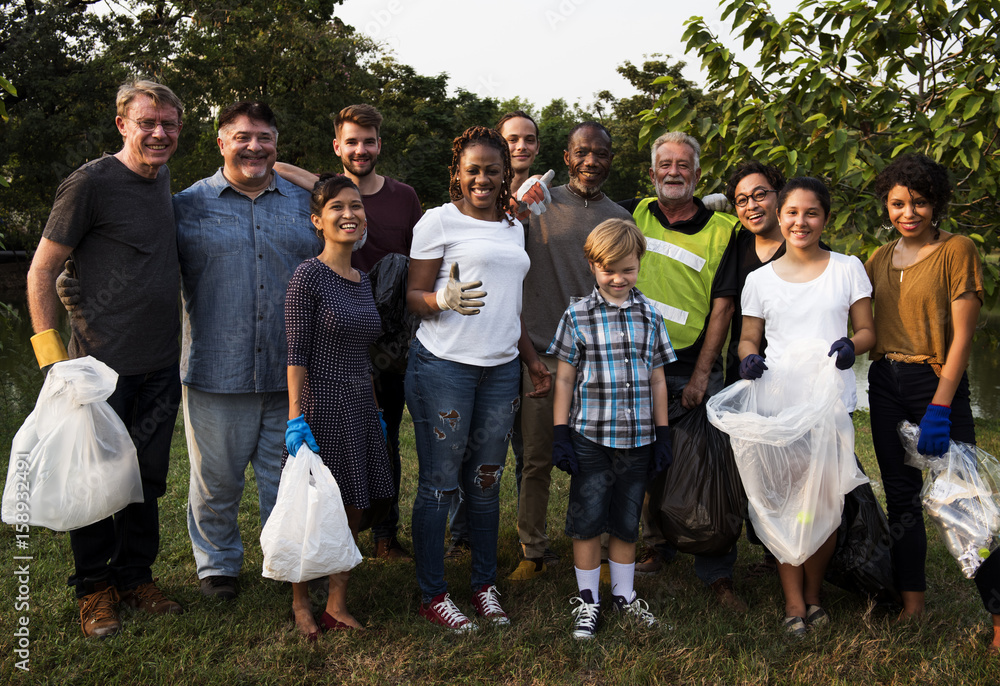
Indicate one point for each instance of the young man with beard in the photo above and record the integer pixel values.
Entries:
(392, 209)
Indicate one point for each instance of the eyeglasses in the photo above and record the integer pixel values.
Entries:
(149, 125)
(758, 196)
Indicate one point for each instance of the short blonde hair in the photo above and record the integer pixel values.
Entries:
(613, 240)
(157, 92)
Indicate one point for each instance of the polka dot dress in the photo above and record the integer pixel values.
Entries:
(330, 322)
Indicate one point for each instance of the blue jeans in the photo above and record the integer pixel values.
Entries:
(708, 568)
(122, 548)
(225, 432)
(462, 419)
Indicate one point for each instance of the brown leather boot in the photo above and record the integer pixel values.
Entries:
(99, 611)
(390, 549)
(726, 596)
(148, 598)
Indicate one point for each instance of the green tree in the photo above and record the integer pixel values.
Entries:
(63, 111)
(840, 89)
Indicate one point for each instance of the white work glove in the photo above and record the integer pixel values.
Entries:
(458, 296)
(534, 193)
(717, 202)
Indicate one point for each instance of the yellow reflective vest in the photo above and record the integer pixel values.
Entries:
(678, 270)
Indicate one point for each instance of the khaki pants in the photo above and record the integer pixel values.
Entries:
(536, 474)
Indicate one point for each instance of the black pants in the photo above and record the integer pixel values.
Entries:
(122, 548)
(900, 391)
(389, 390)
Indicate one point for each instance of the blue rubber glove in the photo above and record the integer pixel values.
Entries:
(844, 348)
(663, 453)
(563, 455)
(385, 430)
(752, 367)
(935, 430)
(297, 433)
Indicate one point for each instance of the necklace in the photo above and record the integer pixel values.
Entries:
(586, 201)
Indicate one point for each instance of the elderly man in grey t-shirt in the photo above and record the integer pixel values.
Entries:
(114, 217)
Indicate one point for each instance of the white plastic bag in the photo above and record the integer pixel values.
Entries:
(794, 446)
(307, 535)
(72, 462)
(961, 494)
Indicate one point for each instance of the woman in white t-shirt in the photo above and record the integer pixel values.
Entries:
(808, 293)
(462, 378)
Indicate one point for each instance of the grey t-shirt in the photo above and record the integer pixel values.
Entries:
(121, 228)
(559, 270)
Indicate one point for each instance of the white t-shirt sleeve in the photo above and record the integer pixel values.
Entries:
(861, 286)
(750, 301)
(428, 237)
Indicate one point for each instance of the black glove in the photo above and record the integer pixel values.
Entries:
(844, 348)
(563, 455)
(68, 286)
(752, 367)
(663, 453)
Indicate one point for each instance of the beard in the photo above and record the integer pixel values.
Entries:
(667, 193)
(359, 171)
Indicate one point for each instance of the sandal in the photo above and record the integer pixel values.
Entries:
(796, 626)
(816, 617)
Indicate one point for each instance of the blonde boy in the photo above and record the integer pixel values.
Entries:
(610, 417)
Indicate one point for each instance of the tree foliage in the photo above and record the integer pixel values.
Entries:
(840, 89)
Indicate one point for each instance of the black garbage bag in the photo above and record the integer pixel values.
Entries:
(699, 502)
(862, 562)
(388, 280)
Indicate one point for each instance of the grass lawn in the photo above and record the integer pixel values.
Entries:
(253, 641)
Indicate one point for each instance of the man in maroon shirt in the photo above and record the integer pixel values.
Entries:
(392, 209)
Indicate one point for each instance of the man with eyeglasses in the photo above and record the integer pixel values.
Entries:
(753, 190)
(689, 273)
(114, 217)
(240, 235)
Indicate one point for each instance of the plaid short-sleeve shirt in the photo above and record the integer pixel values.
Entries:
(614, 350)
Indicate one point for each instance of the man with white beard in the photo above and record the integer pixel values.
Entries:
(689, 274)
(240, 235)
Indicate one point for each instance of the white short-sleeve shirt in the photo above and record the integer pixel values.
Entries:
(817, 309)
(491, 252)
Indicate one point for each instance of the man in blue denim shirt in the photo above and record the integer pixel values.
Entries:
(240, 235)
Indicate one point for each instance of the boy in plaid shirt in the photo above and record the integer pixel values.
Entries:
(611, 391)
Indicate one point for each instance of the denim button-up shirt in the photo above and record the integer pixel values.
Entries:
(237, 255)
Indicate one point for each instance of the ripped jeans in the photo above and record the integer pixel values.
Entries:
(462, 419)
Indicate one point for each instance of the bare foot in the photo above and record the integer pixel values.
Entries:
(995, 646)
(305, 623)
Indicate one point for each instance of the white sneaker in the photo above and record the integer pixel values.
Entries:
(585, 615)
(487, 606)
(637, 609)
(442, 610)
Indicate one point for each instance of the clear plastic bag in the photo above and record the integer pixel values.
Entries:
(794, 445)
(307, 535)
(961, 494)
(72, 462)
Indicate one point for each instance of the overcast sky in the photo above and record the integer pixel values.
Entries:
(535, 49)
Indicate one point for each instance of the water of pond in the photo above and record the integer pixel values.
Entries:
(18, 369)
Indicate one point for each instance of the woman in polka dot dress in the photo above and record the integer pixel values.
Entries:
(330, 320)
